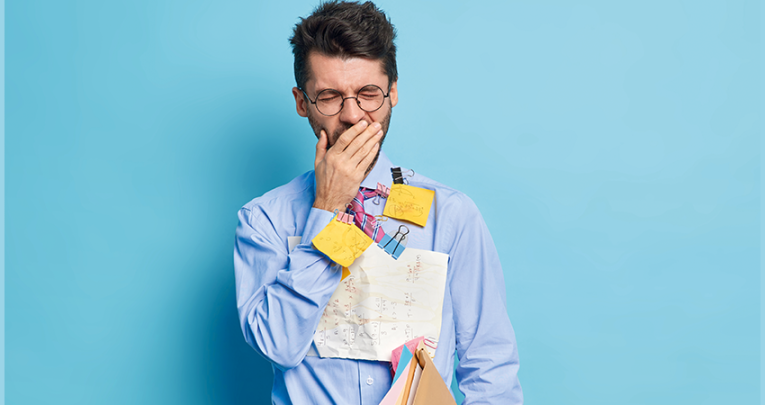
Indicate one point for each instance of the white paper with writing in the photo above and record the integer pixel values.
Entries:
(383, 304)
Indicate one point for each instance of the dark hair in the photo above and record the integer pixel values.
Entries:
(344, 29)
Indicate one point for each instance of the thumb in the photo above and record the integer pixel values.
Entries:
(321, 147)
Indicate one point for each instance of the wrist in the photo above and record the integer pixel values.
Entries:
(328, 206)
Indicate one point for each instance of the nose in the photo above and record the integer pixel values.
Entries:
(351, 112)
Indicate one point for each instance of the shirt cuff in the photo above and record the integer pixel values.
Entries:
(317, 220)
(311, 273)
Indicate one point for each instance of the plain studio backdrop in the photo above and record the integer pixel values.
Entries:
(612, 147)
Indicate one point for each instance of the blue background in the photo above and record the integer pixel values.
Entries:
(619, 144)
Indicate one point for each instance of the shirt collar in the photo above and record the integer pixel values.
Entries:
(380, 173)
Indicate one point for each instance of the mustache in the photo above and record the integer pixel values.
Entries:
(336, 135)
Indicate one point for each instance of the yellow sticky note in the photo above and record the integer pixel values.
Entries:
(342, 242)
(409, 203)
(346, 273)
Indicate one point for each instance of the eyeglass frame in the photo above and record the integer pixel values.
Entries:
(342, 103)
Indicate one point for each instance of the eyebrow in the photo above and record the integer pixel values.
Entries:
(358, 90)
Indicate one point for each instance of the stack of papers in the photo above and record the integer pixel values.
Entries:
(417, 381)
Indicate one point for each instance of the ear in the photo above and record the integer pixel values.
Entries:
(301, 105)
(393, 94)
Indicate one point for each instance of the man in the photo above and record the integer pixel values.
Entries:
(345, 68)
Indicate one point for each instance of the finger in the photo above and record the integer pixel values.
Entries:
(366, 148)
(345, 139)
(321, 147)
(364, 164)
(361, 140)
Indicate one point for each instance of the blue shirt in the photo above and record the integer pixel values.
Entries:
(281, 296)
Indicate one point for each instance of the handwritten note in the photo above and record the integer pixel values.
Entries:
(409, 203)
(383, 304)
(342, 242)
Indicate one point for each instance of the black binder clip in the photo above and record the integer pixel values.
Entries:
(398, 175)
(398, 178)
(396, 249)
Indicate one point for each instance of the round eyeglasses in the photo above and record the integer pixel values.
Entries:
(330, 101)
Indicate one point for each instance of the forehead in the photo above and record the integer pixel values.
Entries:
(344, 74)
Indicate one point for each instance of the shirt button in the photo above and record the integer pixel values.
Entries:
(370, 381)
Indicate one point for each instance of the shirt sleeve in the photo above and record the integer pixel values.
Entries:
(488, 357)
(281, 295)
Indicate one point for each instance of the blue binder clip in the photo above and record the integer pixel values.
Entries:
(391, 248)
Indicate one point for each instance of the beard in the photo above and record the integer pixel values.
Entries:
(332, 138)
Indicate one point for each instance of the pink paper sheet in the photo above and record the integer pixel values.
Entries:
(396, 354)
(395, 391)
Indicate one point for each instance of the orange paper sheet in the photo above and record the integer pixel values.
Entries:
(431, 388)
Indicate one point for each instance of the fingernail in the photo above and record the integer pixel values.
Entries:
(376, 125)
(379, 133)
(363, 123)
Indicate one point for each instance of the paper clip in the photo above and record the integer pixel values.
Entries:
(344, 217)
(398, 175)
(383, 191)
(398, 248)
(431, 343)
(381, 218)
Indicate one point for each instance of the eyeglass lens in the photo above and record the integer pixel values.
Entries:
(370, 98)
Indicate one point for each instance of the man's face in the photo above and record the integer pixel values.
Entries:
(347, 76)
